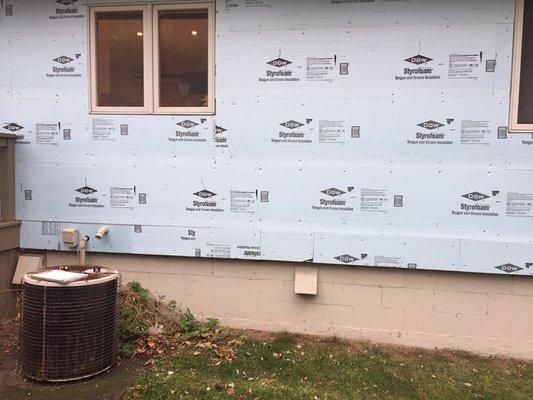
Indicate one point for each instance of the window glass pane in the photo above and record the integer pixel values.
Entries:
(183, 58)
(119, 59)
(525, 104)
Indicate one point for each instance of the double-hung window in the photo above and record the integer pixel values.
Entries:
(521, 115)
(152, 59)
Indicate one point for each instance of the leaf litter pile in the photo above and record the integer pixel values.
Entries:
(150, 328)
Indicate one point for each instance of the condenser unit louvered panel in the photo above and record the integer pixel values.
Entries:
(69, 331)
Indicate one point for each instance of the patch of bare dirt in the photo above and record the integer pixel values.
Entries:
(9, 338)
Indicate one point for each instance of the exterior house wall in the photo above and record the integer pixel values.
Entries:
(352, 133)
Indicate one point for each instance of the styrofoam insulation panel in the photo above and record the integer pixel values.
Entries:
(378, 137)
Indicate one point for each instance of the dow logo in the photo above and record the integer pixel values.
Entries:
(346, 258)
(86, 190)
(12, 127)
(476, 196)
(187, 124)
(430, 125)
(219, 130)
(63, 60)
(418, 60)
(66, 2)
(333, 192)
(279, 63)
(509, 268)
(205, 194)
(292, 124)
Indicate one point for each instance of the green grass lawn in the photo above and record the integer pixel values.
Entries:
(290, 367)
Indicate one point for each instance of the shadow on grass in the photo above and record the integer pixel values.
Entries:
(290, 367)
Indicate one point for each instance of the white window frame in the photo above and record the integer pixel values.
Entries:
(147, 51)
(514, 125)
(151, 59)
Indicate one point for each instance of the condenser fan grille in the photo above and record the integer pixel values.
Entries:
(68, 332)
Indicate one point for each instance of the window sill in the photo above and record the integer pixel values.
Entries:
(523, 129)
(209, 113)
